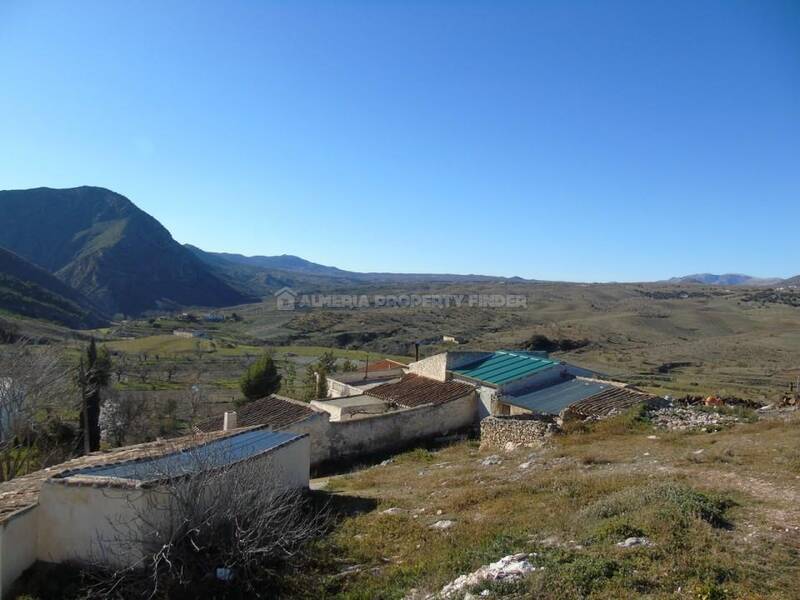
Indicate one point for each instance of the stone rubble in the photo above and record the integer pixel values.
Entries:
(675, 418)
(443, 524)
(511, 432)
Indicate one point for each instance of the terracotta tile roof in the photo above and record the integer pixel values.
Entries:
(385, 364)
(273, 411)
(23, 492)
(611, 400)
(415, 390)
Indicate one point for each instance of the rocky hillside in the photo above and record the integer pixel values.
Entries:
(99, 243)
(30, 291)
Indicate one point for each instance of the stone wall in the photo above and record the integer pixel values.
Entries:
(527, 430)
(349, 441)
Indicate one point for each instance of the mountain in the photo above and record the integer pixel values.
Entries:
(792, 281)
(728, 279)
(99, 243)
(31, 291)
(284, 262)
(265, 274)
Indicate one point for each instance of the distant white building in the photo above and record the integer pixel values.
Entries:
(191, 333)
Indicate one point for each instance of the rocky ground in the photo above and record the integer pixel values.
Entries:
(622, 509)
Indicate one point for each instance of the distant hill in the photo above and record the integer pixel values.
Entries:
(31, 291)
(99, 243)
(793, 281)
(728, 279)
(284, 262)
(265, 274)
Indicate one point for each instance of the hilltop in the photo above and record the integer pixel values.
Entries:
(730, 279)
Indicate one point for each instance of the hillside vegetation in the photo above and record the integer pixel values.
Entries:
(719, 513)
(101, 244)
(28, 290)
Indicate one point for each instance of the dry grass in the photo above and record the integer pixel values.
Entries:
(725, 522)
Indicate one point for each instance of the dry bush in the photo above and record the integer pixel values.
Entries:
(208, 525)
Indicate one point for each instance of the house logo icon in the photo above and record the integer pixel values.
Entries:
(285, 298)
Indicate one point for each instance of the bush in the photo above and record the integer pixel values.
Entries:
(679, 500)
(261, 379)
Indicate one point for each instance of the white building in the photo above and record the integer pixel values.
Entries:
(73, 511)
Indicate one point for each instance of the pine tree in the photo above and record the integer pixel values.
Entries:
(261, 379)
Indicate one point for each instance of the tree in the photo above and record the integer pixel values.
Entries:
(123, 419)
(316, 382)
(33, 380)
(260, 379)
(290, 379)
(327, 362)
(94, 373)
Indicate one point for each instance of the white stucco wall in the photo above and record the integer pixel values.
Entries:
(339, 389)
(86, 523)
(17, 547)
(316, 427)
(433, 367)
(396, 429)
(487, 404)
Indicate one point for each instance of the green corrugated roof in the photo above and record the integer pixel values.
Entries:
(505, 366)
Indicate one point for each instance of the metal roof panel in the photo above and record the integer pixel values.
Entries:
(555, 398)
(195, 459)
(505, 366)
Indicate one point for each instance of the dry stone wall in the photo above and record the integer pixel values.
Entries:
(528, 430)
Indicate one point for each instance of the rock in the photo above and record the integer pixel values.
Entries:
(443, 524)
(386, 462)
(508, 568)
(632, 542)
(652, 437)
(525, 465)
(510, 446)
(698, 451)
(676, 418)
(491, 460)
(393, 511)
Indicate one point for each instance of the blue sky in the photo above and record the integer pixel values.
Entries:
(587, 141)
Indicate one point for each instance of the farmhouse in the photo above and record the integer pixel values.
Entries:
(510, 383)
(281, 414)
(388, 417)
(69, 512)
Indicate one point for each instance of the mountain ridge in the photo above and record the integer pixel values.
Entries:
(729, 279)
(102, 244)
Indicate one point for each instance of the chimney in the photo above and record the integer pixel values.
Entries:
(416, 351)
(230, 421)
